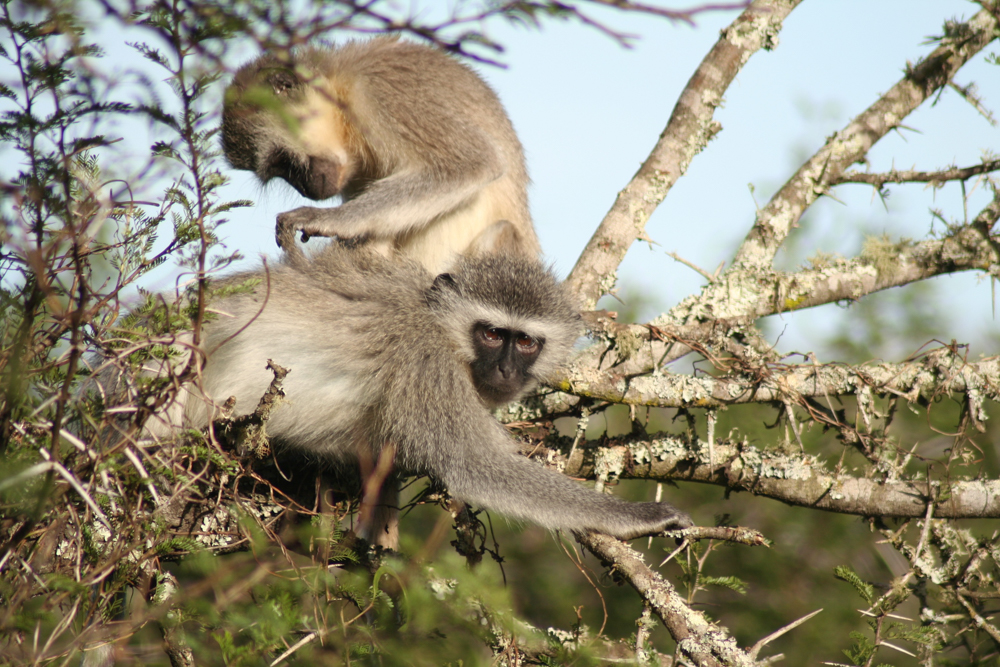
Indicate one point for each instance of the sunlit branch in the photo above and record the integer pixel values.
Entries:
(852, 143)
(914, 176)
(940, 371)
(688, 131)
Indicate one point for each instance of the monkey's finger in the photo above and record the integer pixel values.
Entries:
(284, 235)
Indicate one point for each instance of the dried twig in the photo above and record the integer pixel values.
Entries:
(755, 649)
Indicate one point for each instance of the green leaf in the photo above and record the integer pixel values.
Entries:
(863, 588)
(732, 583)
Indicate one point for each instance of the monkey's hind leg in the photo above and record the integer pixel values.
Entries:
(380, 515)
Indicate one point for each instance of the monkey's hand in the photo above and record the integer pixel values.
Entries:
(657, 517)
(634, 520)
(309, 220)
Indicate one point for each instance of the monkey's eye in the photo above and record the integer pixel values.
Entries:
(526, 344)
(282, 81)
(493, 336)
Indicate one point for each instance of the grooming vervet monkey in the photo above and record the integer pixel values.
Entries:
(383, 355)
(416, 144)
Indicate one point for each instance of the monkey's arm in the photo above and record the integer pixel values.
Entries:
(475, 458)
(402, 202)
(510, 484)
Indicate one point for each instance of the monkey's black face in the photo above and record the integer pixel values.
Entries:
(504, 358)
(319, 179)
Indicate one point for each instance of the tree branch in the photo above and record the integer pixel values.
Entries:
(941, 371)
(704, 643)
(796, 478)
(851, 144)
(634, 349)
(914, 176)
(688, 131)
(755, 294)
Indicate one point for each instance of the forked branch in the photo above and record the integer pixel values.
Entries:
(852, 143)
(688, 131)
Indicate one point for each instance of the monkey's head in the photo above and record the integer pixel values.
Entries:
(264, 112)
(514, 324)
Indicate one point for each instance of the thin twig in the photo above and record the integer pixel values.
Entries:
(913, 176)
(294, 647)
(691, 265)
(755, 649)
(77, 486)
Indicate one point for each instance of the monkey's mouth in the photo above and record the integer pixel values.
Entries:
(499, 390)
(320, 179)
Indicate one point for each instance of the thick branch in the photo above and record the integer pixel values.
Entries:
(882, 265)
(851, 144)
(704, 643)
(687, 132)
(633, 349)
(939, 372)
(796, 479)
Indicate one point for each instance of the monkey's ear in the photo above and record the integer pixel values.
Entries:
(442, 281)
(501, 237)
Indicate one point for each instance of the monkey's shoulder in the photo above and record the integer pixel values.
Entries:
(391, 60)
(362, 273)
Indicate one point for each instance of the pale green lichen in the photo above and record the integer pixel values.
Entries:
(822, 260)
(886, 256)
(609, 463)
(866, 403)
(976, 409)
(627, 345)
(440, 587)
(213, 527)
(660, 449)
(607, 283)
(787, 468)
(529, 408)
(567, 639)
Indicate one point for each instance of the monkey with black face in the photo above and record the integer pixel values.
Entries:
(416, 144)
(383, 355)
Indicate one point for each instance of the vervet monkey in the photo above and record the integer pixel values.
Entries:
(381, 355)
(416, 144)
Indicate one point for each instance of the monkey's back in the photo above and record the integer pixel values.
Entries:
(415, 101)
(344, 328)
(401, 90)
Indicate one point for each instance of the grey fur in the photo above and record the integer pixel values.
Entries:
(418, 146)
(379, 354)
